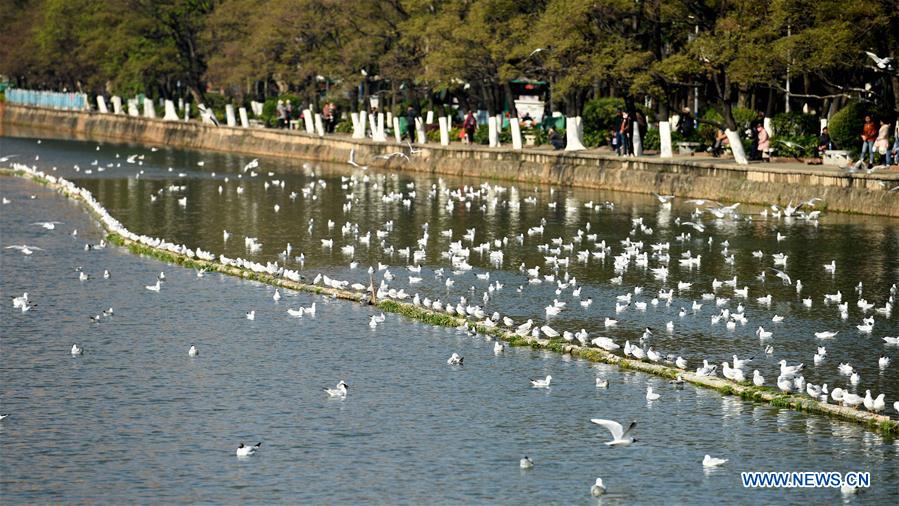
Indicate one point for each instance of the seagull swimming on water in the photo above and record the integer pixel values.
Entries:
(598, 488)
(338, 391)
(709, 461)
(541, 383)
(246, 451)
(526, 463)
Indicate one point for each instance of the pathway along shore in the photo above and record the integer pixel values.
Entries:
(684, 177)
(746, 390)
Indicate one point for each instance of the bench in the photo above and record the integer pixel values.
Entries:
(687, 148)
(838, 157)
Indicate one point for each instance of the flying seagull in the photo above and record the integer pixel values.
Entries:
(882, 63)
(618, 432)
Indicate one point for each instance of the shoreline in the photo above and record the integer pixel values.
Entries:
(881, 423)
(685, 177)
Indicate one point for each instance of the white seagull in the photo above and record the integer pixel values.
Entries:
(246, 451)
(339, 391)
(618, 432)
(541, 383)
(709, 461)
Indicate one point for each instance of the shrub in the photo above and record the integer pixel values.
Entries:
(846, 125)
(344, 127)
(795, 146)
(742, 116)
(600, 115)
(651, 140)
(269, 112)
(794, 125)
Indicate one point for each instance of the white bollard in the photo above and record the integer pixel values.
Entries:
(101, 104)
(132, 108)
(149, 110)
(230, 119)
(116, 104)
(378, 131)
(319, 126)
(170, 113)
(256, 107)
(637, 139)
(429, 118)
(736, 147)
(665, 150)
(492, 135)
(516, 133)
(186, 112)
(420, 130)
(769, 127)
(397, 133)
(244, 120)
(823, 125)
(573, 134)
(373, 126)
(444, 131)
(307, 120)
(389, 118)
(363, 124)
(358, 127)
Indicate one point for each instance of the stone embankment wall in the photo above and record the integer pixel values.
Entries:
(687, 178)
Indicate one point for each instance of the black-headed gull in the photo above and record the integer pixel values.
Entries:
(193, 351)
(245, 451)
(339, 391)
(541, 383)
(526, 463)
(618, 432)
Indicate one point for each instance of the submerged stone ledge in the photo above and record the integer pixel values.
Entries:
(686, 178)
(746, 391)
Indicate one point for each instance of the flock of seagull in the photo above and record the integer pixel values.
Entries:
(640, 250)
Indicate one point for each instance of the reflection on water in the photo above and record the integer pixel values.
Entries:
(137, 415)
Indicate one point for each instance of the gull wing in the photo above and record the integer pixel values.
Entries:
(612, 426)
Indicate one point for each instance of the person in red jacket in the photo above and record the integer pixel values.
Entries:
(470, 125)
(869, 135)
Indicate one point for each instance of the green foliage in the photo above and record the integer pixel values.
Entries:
(794, 124)
(270, 109)
(344, 127)
(600, 115)
(742, 116)
(797, 146)
(845, 126)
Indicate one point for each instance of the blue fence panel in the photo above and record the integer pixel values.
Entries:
(49, 99)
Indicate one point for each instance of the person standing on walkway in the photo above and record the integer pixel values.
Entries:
(326, 116)
(470, 125)
(763, 144)
(282, 114)
(882, 143)
(869, 135)
(411, 114)
(754, 153)
(626, 130)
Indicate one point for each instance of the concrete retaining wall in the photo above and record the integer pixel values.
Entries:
(758, 184)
